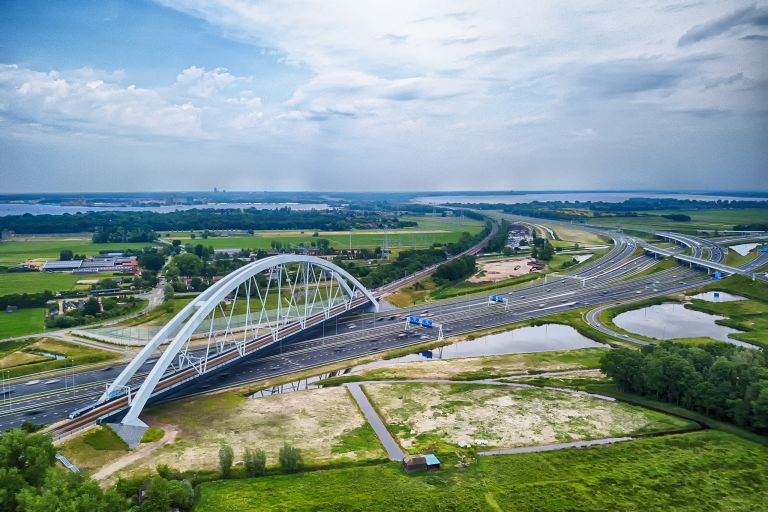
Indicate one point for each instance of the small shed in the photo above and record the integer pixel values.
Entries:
(433, 463)
(414, 463)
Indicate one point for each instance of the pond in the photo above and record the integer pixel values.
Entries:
(673, 320)
(541, 338)
(716, 296)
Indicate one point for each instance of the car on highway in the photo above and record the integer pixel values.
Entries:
(351, 326)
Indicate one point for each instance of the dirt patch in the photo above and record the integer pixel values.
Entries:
(451, 415)
(319, 422)
(500, 270)
(487, 366)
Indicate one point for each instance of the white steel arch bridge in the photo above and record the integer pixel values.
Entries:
(255, 306)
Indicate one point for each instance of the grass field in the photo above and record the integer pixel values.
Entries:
(34, 282)
(14, 355)
(24, 248)
(700, 219)
(94, 449)
(21, 322)
(440, 418)
(687, 472)
(737, 260)
(430, 230)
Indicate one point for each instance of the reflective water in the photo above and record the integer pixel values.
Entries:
(718, 297)
(743, 249)
(48, 354)
(55, 209)
(526, 339)
(541, 338)
(672, 320)
(608, 197)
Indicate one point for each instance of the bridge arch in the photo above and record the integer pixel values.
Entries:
(308, 291)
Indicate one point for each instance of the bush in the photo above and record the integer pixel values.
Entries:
(226, 456)
(152, 434)
(255, 462)
(290, 459)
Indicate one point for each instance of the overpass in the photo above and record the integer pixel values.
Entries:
(693, 261)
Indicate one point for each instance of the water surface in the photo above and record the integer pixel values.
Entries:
(542, 338)
(716, 296)
(673, 320)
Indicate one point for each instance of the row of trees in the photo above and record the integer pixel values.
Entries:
(116, 225)
(121, 233)
(455, 270)
(568, 210)
(719, 380)
(255, 460)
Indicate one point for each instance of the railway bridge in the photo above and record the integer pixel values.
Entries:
(257, 306)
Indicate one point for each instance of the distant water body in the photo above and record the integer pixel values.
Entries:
(54, 209)
(608, 197)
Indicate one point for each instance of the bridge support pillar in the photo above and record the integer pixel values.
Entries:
(131, 432)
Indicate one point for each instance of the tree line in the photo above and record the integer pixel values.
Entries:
(719, 380)
(117, 224)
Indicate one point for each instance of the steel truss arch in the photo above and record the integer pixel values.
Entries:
(304, 286)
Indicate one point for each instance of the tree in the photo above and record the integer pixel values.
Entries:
(151, 261)
(63, 490)
(30, 454)
(290, 459)
(255, 462)
(226, 456)
(188, 264)
(11, 483)
(65, 255)
(158, 497)
(181, 493)
(91, 307)
(169, 292)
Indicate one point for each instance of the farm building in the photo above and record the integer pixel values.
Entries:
(417, 463)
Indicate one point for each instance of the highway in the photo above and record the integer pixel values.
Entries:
(606, 280)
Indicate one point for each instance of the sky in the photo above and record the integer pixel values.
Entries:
(355, 95)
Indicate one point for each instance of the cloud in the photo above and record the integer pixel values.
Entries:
(201, 83)
(752, 16)
(334, 87)
(57, 99)
(623, 77)
(193, 107)
(754, 37)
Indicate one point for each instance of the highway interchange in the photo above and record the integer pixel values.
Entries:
(612, 278)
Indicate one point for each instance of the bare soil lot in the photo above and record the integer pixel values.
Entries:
(500, 270)
(488, 366)
(324, 423)
(443, 417)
